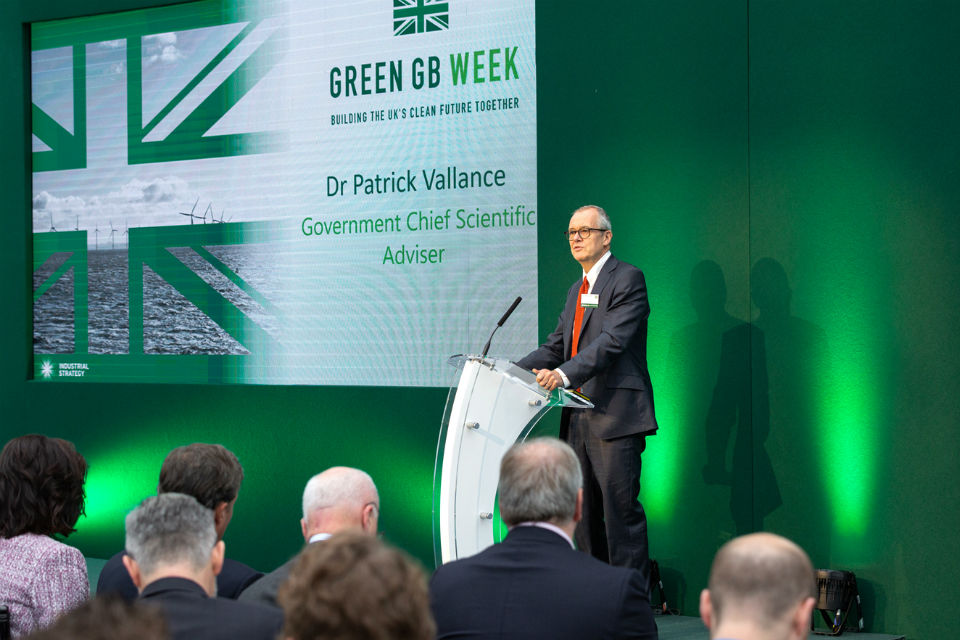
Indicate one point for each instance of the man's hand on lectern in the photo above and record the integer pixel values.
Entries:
(549, 379)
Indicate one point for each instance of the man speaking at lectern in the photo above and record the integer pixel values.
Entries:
(600, 348)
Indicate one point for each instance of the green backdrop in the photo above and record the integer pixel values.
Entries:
(784, 172)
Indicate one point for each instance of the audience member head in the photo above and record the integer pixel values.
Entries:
(761, 586)
(208, 472)
(172, 535)
(340, 499)
(107, 618)
(355, 587)
(41, 486)
(540, 481)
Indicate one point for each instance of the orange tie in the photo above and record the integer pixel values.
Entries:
(578, 316)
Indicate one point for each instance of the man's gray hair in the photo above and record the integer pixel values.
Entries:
(602, 215)
(338, 486)
(539, 481)
(168, 529)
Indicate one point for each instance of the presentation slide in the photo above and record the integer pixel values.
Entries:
(283, 191)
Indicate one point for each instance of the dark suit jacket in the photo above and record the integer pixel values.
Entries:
(234, 578)
(264, 590)
(191, 614)
(534, 585)
(611, 362)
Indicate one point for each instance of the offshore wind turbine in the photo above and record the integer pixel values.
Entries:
(52, 228)
(112, 231)
(191, 214)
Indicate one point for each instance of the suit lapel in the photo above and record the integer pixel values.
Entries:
(606, 274)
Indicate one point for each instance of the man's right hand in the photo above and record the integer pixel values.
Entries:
(549, 379)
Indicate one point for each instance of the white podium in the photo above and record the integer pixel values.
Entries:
(492, 404)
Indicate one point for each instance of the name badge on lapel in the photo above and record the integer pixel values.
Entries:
(589, 300)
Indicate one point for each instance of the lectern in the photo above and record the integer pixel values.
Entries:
(492, 404)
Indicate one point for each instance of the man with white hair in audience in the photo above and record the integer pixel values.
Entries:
(337, 500)
(173, 555)
(762, 587)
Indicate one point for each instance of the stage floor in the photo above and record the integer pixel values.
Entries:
(690, 628)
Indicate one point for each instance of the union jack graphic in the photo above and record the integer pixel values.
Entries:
(420, 16)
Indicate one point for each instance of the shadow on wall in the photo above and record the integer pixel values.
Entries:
(750, 389)
(695, 362)
(724, 384)
(739, 411)
(787, 390)
(748, 394)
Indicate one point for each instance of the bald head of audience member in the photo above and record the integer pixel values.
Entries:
(540, 481)
(761, 586)
(355, 587)
(340, 499)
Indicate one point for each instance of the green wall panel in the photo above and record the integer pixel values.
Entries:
(854, 193)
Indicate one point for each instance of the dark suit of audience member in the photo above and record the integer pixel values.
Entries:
(264, 590)
(233, 579)
(337, 500)
(211, 474)
(534, 584)
(173, 557)
(191, 613)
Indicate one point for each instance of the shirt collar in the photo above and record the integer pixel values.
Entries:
(591, 275)
(549, 527)
(317, 537)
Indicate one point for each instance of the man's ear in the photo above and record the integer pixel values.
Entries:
(578, 509)
(134, 570)
(303, 529)
(216, 557)
(802, 617)
(222, 513)
(219, 514)
(368, 519)
(706, 608)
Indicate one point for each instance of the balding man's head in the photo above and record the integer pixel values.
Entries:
(339, 499)
(539, 482)
(763, 580)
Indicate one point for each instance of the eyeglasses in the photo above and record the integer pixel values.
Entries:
(583, 232)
